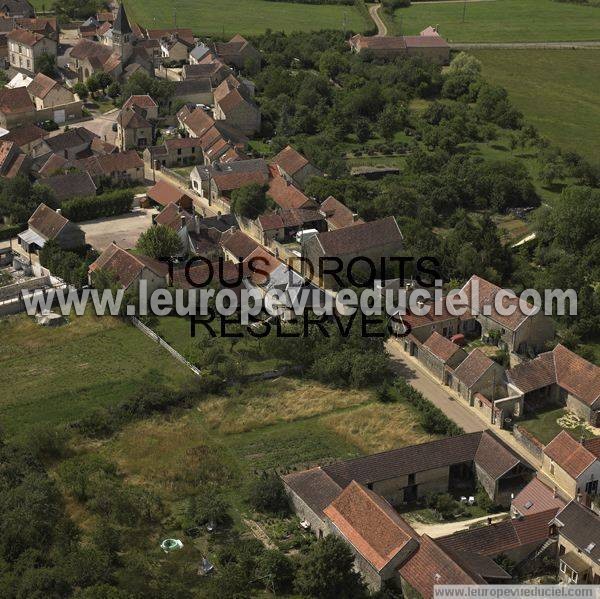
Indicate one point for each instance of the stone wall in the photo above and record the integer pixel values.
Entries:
(528, 441)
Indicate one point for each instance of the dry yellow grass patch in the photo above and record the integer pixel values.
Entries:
(169, 456)
(378, 427)
(283, 400)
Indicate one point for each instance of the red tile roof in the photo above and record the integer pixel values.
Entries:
(238, 244)
(41, 85)
(337, 214)
(290, 161)
(126, 267)
(25, 37)
(142, 101)
(572, 456)
(536, 497)
(371, 525)
(164, 193)
(487, 294)
(15, 101)
(473, 367)
(360, 237)
(112, 163)
(503, 536)
(425, 41)
(25, 134)
(263, 261)
(441, 347)
(287, 195)
(430, 566)
(562, 367)
(47, 222)
(173, 216)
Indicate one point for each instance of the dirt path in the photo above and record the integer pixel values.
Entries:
(381, 26)
(259, 533)
(448, 528)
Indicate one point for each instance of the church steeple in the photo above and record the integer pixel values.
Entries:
(122, 34)
(121, 24)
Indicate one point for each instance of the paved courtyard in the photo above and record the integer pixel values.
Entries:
(124, 230)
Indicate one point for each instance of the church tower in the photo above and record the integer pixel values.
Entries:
(122, 35)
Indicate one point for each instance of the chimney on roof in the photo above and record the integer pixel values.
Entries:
(58, 211)
(183, 221)
(489, 520)
(555, 492)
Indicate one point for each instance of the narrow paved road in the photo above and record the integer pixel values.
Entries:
(447, 401)
(434, 392)
(374, 12)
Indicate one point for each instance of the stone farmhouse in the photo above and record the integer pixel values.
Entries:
(46, 224)
(26, 47)
(573, 466)
(428, 44)
(295, 167)
(559, 377)
(355, 499)
(129, 269)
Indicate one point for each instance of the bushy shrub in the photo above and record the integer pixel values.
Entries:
(266, 494)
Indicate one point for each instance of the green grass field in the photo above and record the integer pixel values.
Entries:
(558, 91)
(503, 21)
(60, 374)
(248, 17)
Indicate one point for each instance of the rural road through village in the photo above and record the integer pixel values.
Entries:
(374, 12)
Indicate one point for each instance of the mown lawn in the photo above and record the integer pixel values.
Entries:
(248, 17)
(558, 91)
(544, 426)
(502, 21)
(58, 375)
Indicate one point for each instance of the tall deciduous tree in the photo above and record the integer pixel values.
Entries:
(159, 242)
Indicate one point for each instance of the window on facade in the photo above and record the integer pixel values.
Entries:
(411, 479)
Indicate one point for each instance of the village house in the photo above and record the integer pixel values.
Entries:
(178, 151)
(25, 137)
(521, 332)
(129, 269)
(182, 222)
(133, 130)
(578, 530)
(295, 167)
(45, 225)
(337, 215)
(217, 181)
(17, 9)
(26, 47)
(286, 195)
(46, 26)
(237, 246)
(198, 52)
(213, 73)
(573, 466)
(478, 375)
(70, 185)
(16, 108)
(282, 225)
(164, 193)
(54, 101)
(440, 355)
(13, 161)
(234, 104)
(72, 144)
(238, 52)
(354, 499)
(372, 240)
(429, 45)
(175, 48)
(524, 541)
(560, 378)
(534, 498)
(120, 166)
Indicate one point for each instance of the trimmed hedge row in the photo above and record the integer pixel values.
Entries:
(111, 203)
(10, 231)
(345, 2)
(433, 420)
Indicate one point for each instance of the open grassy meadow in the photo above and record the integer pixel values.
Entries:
(502, 20)
(281, 424)
(60, 374)
(558, 91)
(248, 17)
